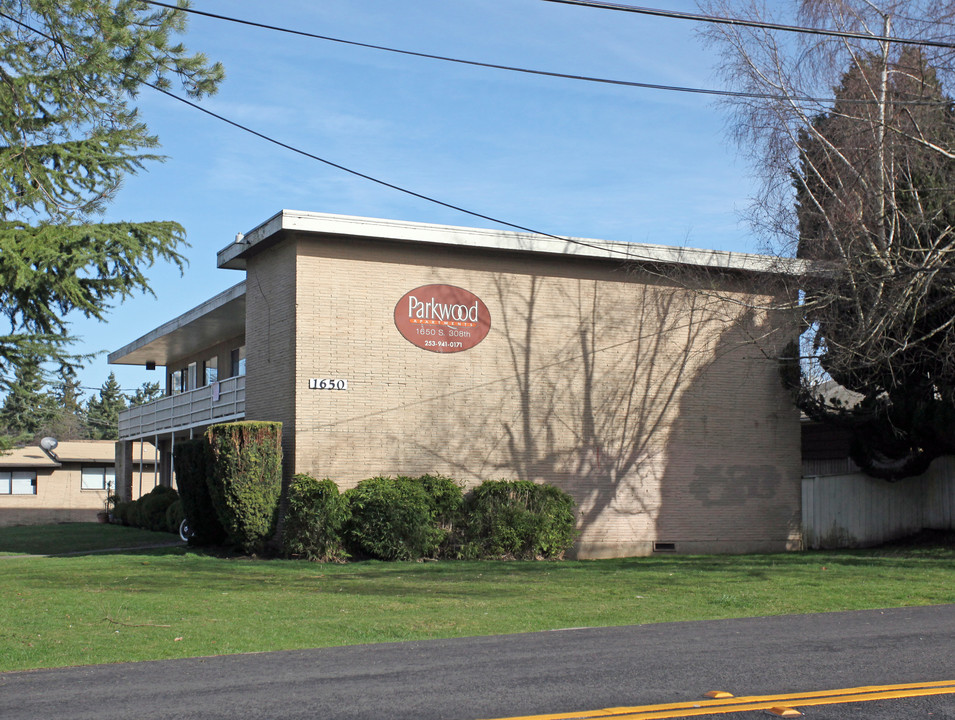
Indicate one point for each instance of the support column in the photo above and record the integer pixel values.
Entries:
(165, 463)
(124, 470)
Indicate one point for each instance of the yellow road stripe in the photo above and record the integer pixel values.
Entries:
(756, 702)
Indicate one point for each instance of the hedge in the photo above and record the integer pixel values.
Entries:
(246, 480)
(409, 518)
(193, 463)
(392, 519)
(151, 511)
(518, 519)
(314, 521)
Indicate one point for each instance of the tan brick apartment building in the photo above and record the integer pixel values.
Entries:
(639, 378)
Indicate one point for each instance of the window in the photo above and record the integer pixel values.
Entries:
(210, 369)
(238, 361)
(98, 478)
(17, 482)
(175, 382)
(191, 376)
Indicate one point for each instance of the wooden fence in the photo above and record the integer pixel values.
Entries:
(854, 510)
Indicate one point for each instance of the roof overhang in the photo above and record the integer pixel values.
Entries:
(322, 224)
(217, 319)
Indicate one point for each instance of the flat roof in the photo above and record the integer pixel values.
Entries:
(215, 320)
(233, 256)
(223, 316)
(98, 451)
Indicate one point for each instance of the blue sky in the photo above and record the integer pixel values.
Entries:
(561, 156)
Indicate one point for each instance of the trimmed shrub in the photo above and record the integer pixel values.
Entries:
(315, 520)
(174, 516)
(246, 480)
(392, 519)
(518, 519)
(193, 463)
(447, 504)
(152, 508)
(121, 513)
(134, 514)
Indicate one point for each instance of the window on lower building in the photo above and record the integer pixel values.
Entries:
(17, 482)
(98, 478)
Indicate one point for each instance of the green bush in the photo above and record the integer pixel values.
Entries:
(193, 463)
(315, 519)
(246, 480)
(174, 516)
(518, 519)
(392, 519)
(152, 508)
(447, 504)
(121, 513)
(134, 514)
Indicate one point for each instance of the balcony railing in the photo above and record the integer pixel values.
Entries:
(220, 402)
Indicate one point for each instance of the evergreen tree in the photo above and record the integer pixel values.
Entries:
(69, 134)
(69, 422)
(27, 407)
(145, 393)
(879, 210)
(102, 410)
(853, 141)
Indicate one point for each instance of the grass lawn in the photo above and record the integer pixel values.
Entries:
(75, 537)
(176, 602)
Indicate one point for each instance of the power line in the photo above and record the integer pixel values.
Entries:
(627, 254)
(544, 73)
(678, 15)
(460, 61)
(457, 208)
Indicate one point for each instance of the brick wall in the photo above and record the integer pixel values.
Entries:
(270, 342)
(646, 401)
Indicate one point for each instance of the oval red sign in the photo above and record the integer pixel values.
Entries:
(442, 318)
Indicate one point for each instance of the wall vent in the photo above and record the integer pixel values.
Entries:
(664, 547)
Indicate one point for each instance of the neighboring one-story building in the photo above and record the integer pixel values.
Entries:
(68, 484)
(642, 379)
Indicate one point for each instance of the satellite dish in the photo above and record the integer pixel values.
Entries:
(48, 443)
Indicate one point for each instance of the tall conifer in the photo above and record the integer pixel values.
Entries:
(69, 135)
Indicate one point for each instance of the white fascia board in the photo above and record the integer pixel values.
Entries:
(233, 256)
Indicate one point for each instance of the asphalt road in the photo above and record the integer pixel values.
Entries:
(517, 675)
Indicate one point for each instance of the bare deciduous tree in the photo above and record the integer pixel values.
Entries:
(853, 135)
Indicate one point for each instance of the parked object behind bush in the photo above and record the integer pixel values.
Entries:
(246, 480)
(193, 462)
(518, 519)
(315, 520)
(392, 519)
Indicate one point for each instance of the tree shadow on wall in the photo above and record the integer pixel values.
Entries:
(612, 387)
(732, 477)
(590, 407)
(629, 395)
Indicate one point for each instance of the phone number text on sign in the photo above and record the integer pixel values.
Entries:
(327, 384)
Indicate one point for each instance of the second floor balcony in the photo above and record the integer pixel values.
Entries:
(222, 401)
